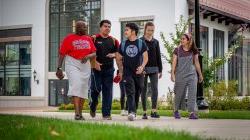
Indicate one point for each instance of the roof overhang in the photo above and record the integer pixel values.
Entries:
(230, 11)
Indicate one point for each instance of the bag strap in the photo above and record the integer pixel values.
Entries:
(123, 45)
(140, 44)
(140, 49)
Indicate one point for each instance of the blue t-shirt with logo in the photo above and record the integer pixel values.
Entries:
(132, 56)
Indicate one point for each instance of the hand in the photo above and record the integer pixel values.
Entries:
(59, 74)
(201, 79)
(85, 59)
(121, 75)
(173, 77)
(160, 75)
(98, 66)
(139, 70)
(111, 55)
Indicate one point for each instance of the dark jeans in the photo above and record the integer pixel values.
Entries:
(123, 95)
(134, 86)
(154, 89)
(102, 81)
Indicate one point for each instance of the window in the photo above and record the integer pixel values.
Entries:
(63, 15)
(248, 69)
(218, 51)
(15, 63)
(140, 23)
(239, 66)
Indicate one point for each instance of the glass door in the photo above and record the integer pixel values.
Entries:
(58, 90)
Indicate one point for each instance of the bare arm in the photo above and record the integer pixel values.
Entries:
(118, 59)
(60, 60)
(59, 72)
(111, 55)
(89, 57)
(145, 59)
(144, 63)
(198, 67)
(174, 62)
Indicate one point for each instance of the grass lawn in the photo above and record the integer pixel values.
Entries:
(30, 128)
(211, 115)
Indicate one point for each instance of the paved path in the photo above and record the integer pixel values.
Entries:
(220, 129)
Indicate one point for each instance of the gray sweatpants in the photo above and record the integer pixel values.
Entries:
(183, 88)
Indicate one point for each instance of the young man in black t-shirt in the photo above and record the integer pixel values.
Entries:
(103, 70)
(132, 58)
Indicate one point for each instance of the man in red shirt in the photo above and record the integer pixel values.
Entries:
(77, 49)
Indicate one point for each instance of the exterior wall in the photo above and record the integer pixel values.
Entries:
(1, 12)
(181, 8)
(28, 12)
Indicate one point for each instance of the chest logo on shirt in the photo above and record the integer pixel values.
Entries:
(80, 44)
(98, 42)
(131, 50)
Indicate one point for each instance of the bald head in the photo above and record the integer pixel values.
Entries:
(81, 28)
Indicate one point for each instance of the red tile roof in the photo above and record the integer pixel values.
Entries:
(237, 8)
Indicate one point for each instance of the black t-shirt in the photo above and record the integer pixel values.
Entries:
(132, 56)
(104, 46)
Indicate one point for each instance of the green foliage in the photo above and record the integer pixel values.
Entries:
(213, 64)
(180, 29)
(70, 106)
(220, 103)
(224, 97)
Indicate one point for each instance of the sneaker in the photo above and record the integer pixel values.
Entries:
(79, 117)
(131, 116)
(107, 118)
(82, 118)
(144, 116)
(155, 115)
(177, 115)
(92, 113)
(193, 116)
(124, 113)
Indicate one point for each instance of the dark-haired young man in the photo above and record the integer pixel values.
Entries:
(132, 58)
(103, 71)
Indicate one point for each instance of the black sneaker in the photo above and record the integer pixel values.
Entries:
(144, 116)
(92, 113)
(79, 117)
(155, 115)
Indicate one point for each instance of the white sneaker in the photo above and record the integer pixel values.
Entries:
(124, 113)
(131, 116)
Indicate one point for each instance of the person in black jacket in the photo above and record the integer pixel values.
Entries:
(153, 70)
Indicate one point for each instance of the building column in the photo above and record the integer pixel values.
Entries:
(210, 41)
(225, 51)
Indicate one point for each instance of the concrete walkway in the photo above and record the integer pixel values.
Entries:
(219, 129)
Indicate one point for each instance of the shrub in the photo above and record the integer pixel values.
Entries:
(116, 106)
